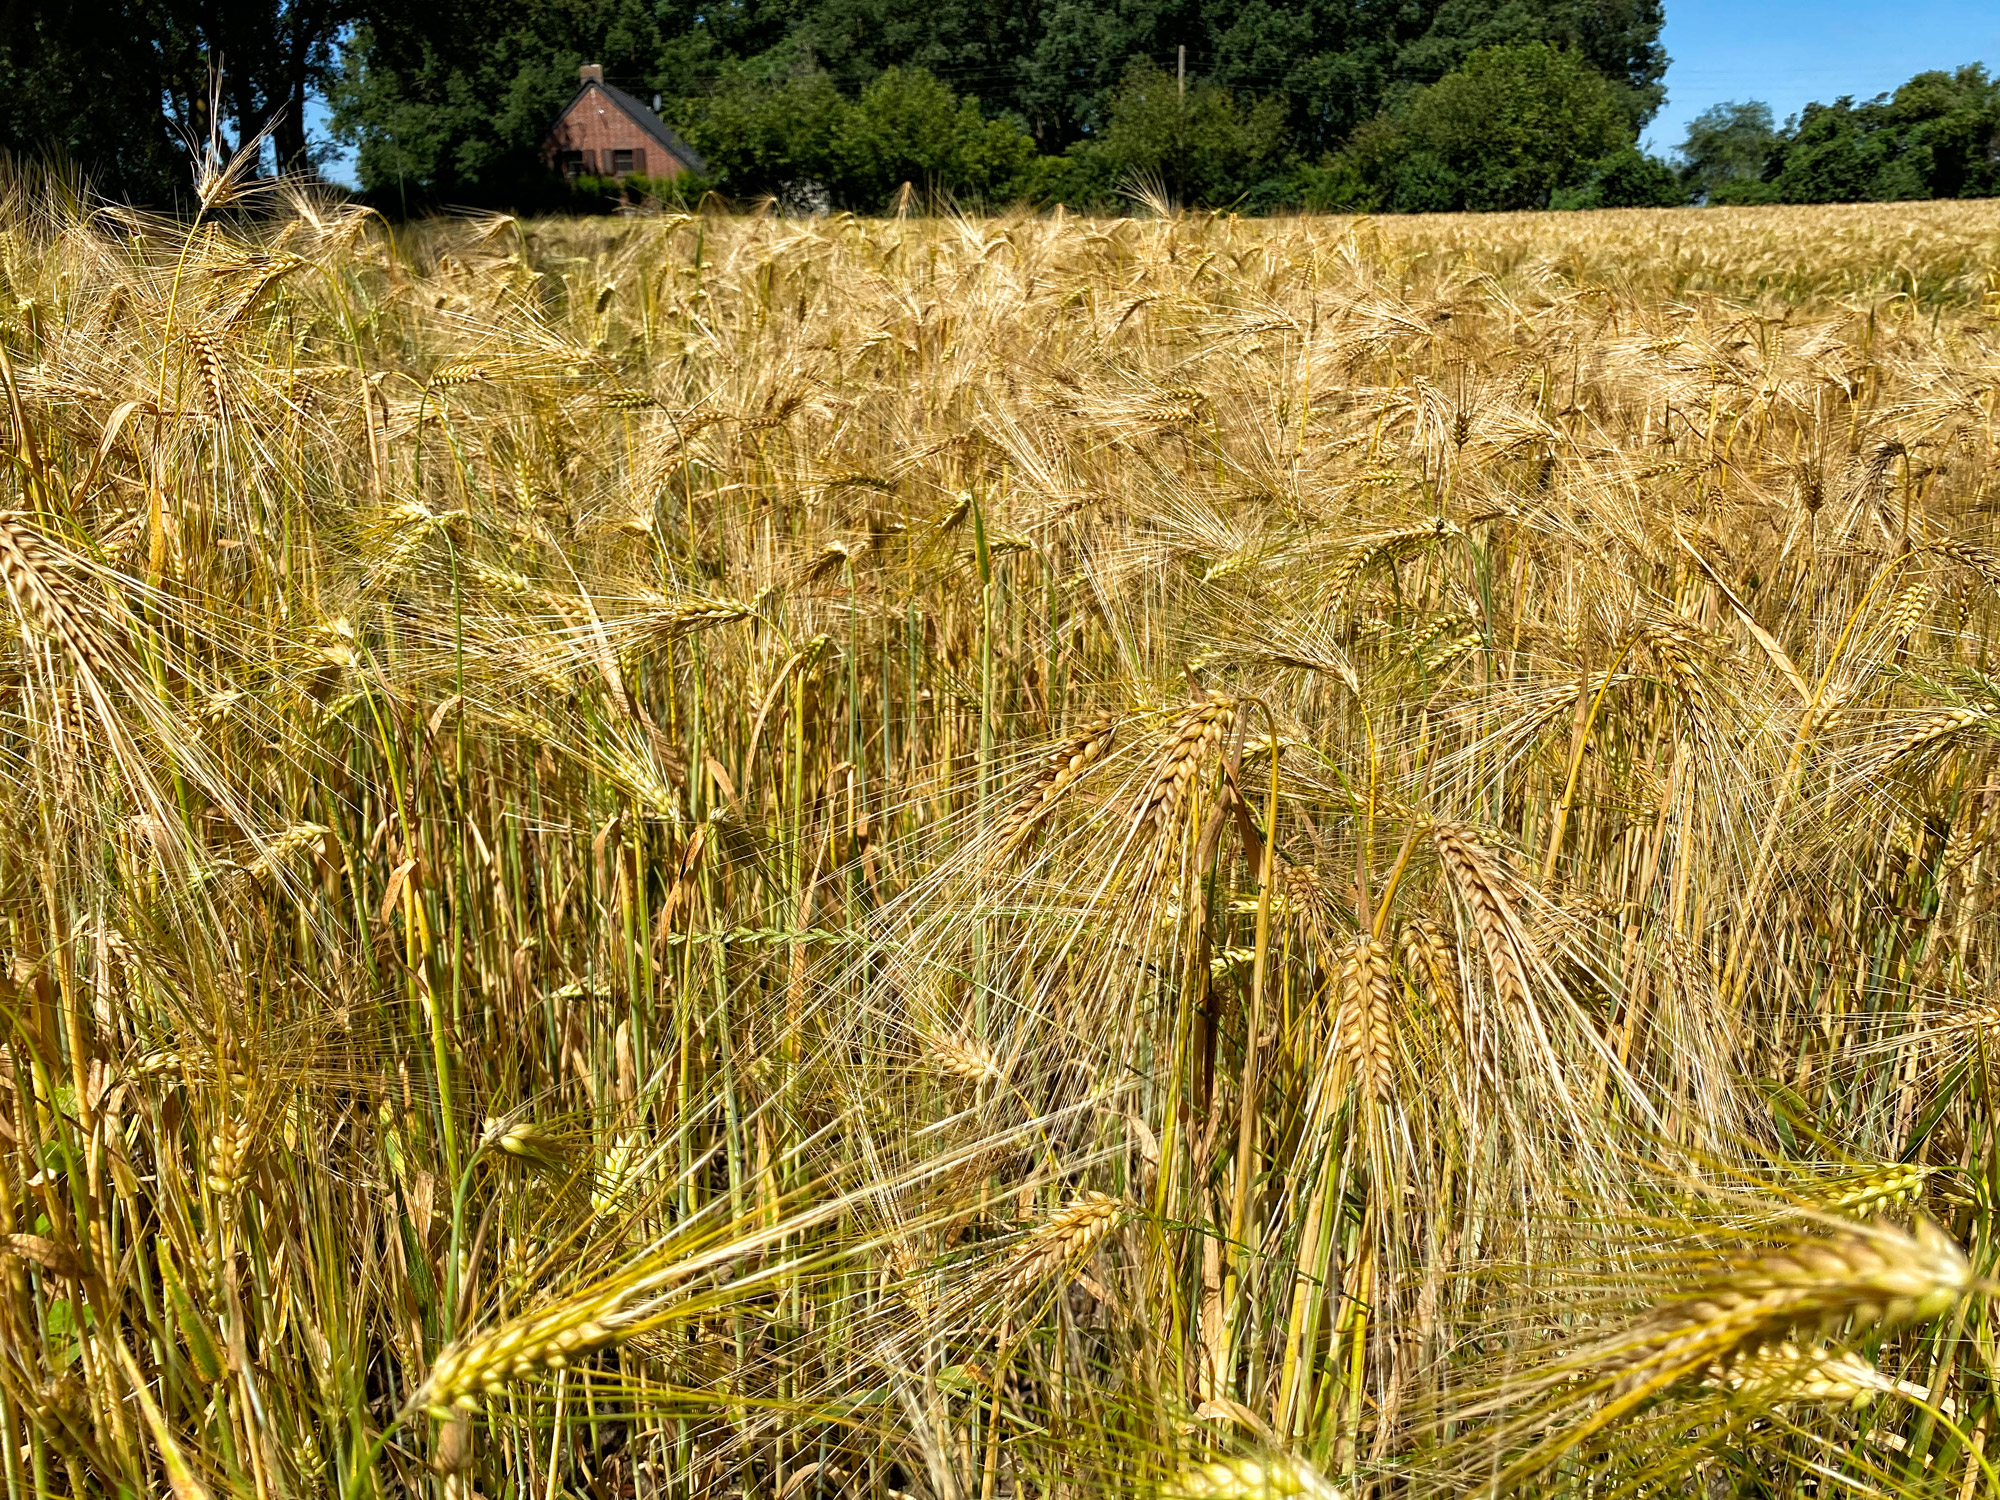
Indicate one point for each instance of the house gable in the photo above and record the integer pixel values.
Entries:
(604, 131)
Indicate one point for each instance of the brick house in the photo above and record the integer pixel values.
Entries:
(605, 132)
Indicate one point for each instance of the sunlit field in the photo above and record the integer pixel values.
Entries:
(1007, 859)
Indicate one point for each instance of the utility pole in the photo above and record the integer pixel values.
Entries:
(1182, 71)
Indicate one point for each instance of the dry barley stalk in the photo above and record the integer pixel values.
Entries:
(57, 1260)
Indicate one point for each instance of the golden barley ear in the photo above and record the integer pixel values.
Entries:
(964, 1059)
(1788, 1373)
(1856, 1278)
(1907, 611)
(1475, 876)
(1064, 1240)
(206, 345)
(1982, 561)
(1923, 735)
(1859, 1278)
(42, 594)
(1862, 1192)
(1271, 1478)
(1682, 661)
(1367, 1020)
(1385, 547)
(1429, 956)
(1063, 768)
(1157, 815)
(525, 1346)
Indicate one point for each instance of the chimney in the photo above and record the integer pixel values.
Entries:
(590, 73)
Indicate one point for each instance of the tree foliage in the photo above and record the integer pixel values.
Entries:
(1197, 144)
(1938, 136)
(1060, 65)
(1274, 84)
(123, 88)
(774, 135)
(1726, 149)
(1510, 128)
(1356, 104)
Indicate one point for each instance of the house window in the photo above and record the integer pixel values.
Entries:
(623, 163)
(570, 164)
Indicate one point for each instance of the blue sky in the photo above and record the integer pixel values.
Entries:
(1789, 52)
(341, 171)
(1785, 52)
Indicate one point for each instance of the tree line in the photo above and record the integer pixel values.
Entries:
(1358, 105)
(1938, 136)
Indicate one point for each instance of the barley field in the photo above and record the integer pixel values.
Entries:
(1016, 859)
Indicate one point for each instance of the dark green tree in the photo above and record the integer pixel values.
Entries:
(448, 102)
(908, 127)
(81, 84)
(120, 89)
(1627, 178)
(975, 47)
(1618, 39)
(1938, 136)
(795, 133)
(1948, 126)
(1836, 154)
(1727, 148)
(761, 135)
(1509, 129)
(1057, 64)
(268, 56)
(1197, 146)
